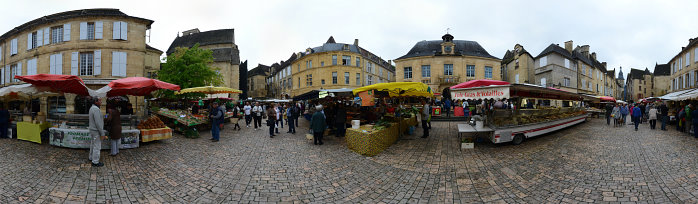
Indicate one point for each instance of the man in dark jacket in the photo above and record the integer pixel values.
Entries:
(340, 120)
(216, 114)
(293, 114)
(664, 111)
(4, 122)
(637, 116)
(609, 108)
(695, 123)
(318, 125)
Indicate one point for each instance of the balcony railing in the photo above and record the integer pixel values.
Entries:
(449, 79)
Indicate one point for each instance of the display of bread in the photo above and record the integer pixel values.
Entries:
(152, 123)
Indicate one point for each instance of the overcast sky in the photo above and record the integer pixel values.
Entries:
(623, 33)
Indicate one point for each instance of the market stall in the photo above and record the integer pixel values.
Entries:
(184, 121)
(28, 128)
(152, 128)
(371, 137)
(537, 110)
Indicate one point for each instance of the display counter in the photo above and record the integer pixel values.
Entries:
(80, 138)
(148, 135)
(31, 131)
(517, 117)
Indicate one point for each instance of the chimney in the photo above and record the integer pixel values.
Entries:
(593, 55)
(604, 64)
(356, 42)
(568, 46)
(585, 50)
(390, 62)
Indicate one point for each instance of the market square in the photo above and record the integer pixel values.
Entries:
(349, 101)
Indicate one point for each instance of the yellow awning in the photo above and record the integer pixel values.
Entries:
(399, 89)
(209, 90)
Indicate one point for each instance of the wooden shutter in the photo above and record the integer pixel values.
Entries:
(116, 30)
(29, 41)
(115, 63)
(52, 64)
(66, 32)
(123, 64)
(0, 53)
(13, 46)
(2, 75)
(47, 36)
(97, 62)
(31, 67)
(124, 31)
(74, 63)
(98, 29)
(83, 30)
(19, 69)
(39, 38)
(59, 63)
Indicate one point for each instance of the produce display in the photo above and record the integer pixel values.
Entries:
(521, 117)
(188, 119)
(153, 122)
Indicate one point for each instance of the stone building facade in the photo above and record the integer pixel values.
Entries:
(640, 84)
(662, 79)
(684, 67)
(256, 81)
(226, 55)
(98, 45)
(517, 66)
(447, 62)
(329, 66)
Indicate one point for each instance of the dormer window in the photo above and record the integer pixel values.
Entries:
(346, 47)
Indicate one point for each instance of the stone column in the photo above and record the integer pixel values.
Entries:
(70, 103)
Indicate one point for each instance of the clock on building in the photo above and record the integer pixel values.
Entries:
(448, 49)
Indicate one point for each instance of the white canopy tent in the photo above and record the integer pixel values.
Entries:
(674, 96)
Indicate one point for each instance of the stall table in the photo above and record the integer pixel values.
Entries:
(148, 135)
(31, 131)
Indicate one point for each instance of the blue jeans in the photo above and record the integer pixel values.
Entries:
(215, 131)
(664, 119)
(637, 121)
(115, 143)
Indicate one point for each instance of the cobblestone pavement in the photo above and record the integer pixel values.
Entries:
(590, 162)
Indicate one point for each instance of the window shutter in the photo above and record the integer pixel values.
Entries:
(123, 63)
(13, 46)
(47, 38)
(98, 62)
(6, 79)
(66, 32)
(52, 64)
(2, 75)
(83, 30)
(98, 29)
(115, 63)
(34, 67)
(39, 38)
(116, 30)
(0, 53)
(29, 41)
(59, 63)
(19, 69)
(124, 31)
(74, 64)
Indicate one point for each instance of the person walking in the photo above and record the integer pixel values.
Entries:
(318, 125)
(4, 122)
(279, 119)
(114, 121)
(216, 115)
(624, 113)
(271, 120)
(293, 114)
(695, 123)
(258, 112)
(689, 118)
(447, 107)
(681, 114)
(237, 115)
(664, 114)
(340, 120)
(615, 114)
(426, 114)
(637, 116)
(248, 113)
(609, 109)
(652, 117)
(97, 134)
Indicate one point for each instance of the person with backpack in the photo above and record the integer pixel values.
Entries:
(689, 118)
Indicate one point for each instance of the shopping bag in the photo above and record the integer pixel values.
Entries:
(309, 136)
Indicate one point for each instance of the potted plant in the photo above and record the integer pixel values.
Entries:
(467, 143)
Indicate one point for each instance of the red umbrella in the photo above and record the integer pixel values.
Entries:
(138, 86)
(607, 98)
(479, 83)
(58, 83)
